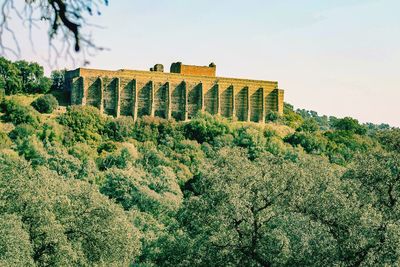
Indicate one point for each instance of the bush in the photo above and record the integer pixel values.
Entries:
(45, 104)
(252, 139)
(205, 127)
(86, 123)
(17, 114)
(5, 141)
(156, 130)
(22, 131)
(290, 117)
(349, 124)
(272, 116)
(309, 125)
(119, 129)
(311, 143)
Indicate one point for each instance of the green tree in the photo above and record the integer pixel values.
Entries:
(349, 124)
(17, 113)
(68, 222)
(86, 123)
(15, 246)
(10, 78)
(32, 77)
(205, 127)
(57, 78)
(45, 104)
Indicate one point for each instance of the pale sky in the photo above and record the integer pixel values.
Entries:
(337, 57)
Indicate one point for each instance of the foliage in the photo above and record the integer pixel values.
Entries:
(5, 141)
(86, 123)
(322, 121)
(119, 129)
(68, 222)
(204, 128)
(10, 79)
(310, 142)
(83, 189)
(15, 246)
(309, 125)
(17, 114)
(22, 77)
(272, 116)
(390, 139)
(290, 117)
(57, 78)
(349, 124)
(45, 104)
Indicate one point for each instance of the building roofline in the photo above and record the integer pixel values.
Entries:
(77, 72)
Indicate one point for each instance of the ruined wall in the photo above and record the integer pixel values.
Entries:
(180, 68)
(172, 95)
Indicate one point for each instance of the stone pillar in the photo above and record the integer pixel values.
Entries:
(248, 104)
(76, 91)
(117, 97)
(135, 100)
(152, 110)
(168, 102)
(83, 91)
(218, 99)
(263, 108)
(280, 96)
(185, 96)
(202, 105)
(233, 102)
(101, 106)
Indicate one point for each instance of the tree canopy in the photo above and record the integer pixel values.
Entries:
(78, 188)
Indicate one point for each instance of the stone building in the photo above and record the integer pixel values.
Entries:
(179, 94)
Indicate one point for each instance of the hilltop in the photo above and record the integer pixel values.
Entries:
(79, 188)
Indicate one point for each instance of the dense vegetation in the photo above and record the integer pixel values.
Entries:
(81, 189)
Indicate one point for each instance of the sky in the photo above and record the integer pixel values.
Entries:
(336, 57)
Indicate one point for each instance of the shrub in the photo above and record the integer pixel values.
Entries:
(205, 127)
(17, 114)
(349, 124)
(5, 141)
(272, 116)
(390, 139)
(290, 117)
(310, 142)
(86, 123)
(119, 129)
(22, 131)
(45, 104)
(252, 139)
(309, 125)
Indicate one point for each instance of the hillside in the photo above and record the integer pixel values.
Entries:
(78, 188)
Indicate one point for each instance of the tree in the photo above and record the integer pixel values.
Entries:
(10, 79)
(376, 177)
(349, 124)
(86, 123)
(243, 213)
(22, 77)
(15, 246)
(57, 77)
(69, 223)
(32, 77)
(205, 127)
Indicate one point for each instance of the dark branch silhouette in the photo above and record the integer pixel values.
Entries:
(66, 19)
